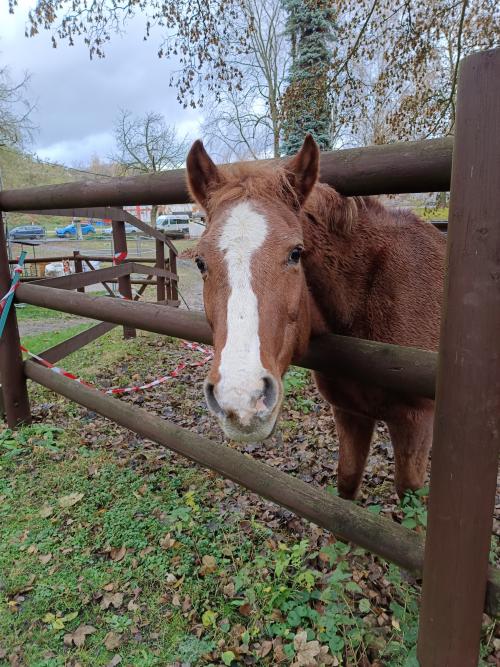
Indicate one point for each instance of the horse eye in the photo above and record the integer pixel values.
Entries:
(200, 263)
(294, 256)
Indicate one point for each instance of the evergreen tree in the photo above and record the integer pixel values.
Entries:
(306, 104)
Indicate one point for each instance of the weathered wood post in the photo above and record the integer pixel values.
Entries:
(15, 395)
(160, 263)
(78, 266)
(467, 422)
(173, 268)
(120, 255)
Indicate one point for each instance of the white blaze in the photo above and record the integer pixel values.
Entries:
(240, 368)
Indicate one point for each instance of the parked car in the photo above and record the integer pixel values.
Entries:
(70, 230)
(129, 229)
(27, 232)
(175, 226)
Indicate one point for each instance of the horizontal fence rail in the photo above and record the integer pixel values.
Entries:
(378, 534)
(408, 371)
(73, 280)
(76, 342)
(84, 258)
(415, 166)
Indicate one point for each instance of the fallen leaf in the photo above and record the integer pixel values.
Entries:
(114, 661)
(279, 654)
(245, 609)
(79, 635)
(209, 565)
(112, 599)
(118, 554)
(112, 641)
(44, 558)
(146, 551)
(229, 590)
(68, 501)
(305, 652)
(46, 511)
(167, 542)
(264, 649)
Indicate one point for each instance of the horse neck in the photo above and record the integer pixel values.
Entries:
(337, 268)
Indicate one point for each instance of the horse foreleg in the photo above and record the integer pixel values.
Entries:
(355, 434)
(411, 437)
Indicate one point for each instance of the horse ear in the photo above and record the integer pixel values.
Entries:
(303, 169)
(202, 174)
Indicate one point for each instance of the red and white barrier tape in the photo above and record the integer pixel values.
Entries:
(12, 289)
(119, 257)
(208, 354)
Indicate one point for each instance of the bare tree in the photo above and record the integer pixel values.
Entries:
(147, 144)
(245, 121)
(16, 126)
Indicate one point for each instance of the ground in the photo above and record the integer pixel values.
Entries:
(117, 551)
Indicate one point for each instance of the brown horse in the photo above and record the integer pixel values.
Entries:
(284, 258)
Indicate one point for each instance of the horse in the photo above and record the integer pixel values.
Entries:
(285, 258)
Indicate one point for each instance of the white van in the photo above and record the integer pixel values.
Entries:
(178, 223)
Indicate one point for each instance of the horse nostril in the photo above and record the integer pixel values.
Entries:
(211, 400)
(270, 392)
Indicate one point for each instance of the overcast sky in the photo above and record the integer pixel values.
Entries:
(77, 99)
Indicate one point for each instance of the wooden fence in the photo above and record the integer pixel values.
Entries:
(464, 377)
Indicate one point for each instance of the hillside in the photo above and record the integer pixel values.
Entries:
(19, 170)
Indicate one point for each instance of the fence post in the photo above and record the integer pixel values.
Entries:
(160, 263)
(15, 394)
(467, 422)
(78, 266)
(124, 286)
(173, 268)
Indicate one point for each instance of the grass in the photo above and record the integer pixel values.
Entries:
(432, 213)
(110, 547)
(142, 560)
(28, 313)
(43, 341)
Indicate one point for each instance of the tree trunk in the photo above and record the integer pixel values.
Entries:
(154, 215)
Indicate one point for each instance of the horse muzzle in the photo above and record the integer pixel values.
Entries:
(246, 414)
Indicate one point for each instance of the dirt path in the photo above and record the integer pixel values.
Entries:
(190, 284)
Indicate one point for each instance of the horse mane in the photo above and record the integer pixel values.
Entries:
(271, 182)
